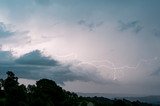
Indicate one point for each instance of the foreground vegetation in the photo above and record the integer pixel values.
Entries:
(47, 93)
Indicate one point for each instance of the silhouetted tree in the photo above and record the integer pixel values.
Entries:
(1, 83)
(47, 93)
(10, 74)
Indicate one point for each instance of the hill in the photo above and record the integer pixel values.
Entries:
(147, 99)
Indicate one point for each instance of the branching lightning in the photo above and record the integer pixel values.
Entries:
(107, 64)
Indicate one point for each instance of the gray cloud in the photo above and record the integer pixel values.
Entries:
(134, 26)
(90, 25)
(156, 32)
(64, 73)
(156, 72)
(36, 58)
(4, 31)
(34, 65)
(6, 57)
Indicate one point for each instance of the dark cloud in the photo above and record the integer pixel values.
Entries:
(135, 26)
(6, 57)
(90, 25)
(156, 32)
(36, 58)
(34, 65)
(4, 31)
(81, 22)
(62, 74)
(156, 72)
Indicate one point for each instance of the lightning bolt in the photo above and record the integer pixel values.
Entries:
(104, 64)
(111, 65)
(115, 69)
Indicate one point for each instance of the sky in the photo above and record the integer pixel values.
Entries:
(92, 46)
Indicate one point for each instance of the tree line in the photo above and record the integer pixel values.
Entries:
(47, 93)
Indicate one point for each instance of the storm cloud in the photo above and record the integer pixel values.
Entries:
(35, 65)
(109, 46)
(36, 58)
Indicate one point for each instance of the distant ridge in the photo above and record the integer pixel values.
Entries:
(155, 99)
(109, 95)
(147, 99)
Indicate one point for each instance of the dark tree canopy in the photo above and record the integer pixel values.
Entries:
(10, 74)
(47, 93)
